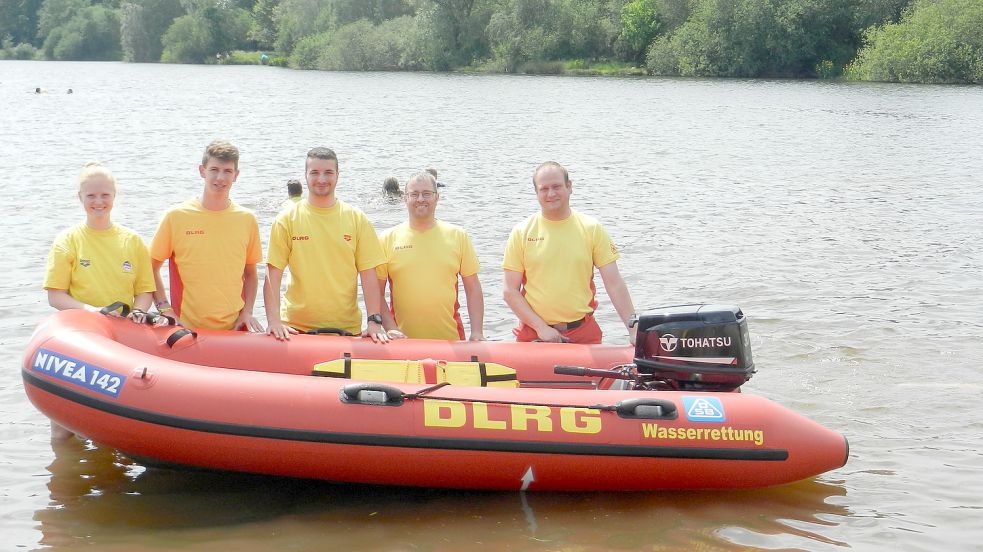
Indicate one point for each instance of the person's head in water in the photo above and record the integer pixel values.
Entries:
(390, 187)
(294, 188)
(433, 173)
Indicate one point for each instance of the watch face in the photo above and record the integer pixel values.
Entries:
(377, 318)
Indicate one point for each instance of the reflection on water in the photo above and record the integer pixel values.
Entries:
(101, 498)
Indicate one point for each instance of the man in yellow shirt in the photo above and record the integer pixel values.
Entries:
(549, 268)
(329, 246)
(215, 244)
(424, 257)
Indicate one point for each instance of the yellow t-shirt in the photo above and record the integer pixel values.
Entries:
(422, 269)
(557, 259)
(212, 249)
(100, 267)
(325, 249)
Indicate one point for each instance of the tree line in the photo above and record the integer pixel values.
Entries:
(931, 41)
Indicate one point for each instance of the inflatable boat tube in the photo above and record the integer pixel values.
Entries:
(246, 402)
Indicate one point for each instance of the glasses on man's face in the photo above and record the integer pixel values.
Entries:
(421, 195)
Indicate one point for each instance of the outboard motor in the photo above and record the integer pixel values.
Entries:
(695, 347)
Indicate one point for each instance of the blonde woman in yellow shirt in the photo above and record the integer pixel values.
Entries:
(98, 262)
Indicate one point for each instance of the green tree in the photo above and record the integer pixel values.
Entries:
(296, 19)
(393, 45)
(188, 40)
(93, 34)
(640, 23)
(19, 20)
(55, 13)
(755, 38)
(307, 52)
(211, 31)
(455, 30)
(263, 30)
(937, 41)
(522, 31)
(229, 26)
(877, 12)
(143, 23)
(344, 12)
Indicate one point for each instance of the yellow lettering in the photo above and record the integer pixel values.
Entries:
(690, 433)
(481, 420)
(437, 413)
(650, 430)
(523, 414)
(759, 437)
(589, 420)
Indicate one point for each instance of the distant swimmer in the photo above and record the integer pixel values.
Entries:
(294, 190)
(390, 188)
(433, 172)
(70, 91)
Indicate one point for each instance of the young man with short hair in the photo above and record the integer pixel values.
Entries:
(215, 245)
(329, 246)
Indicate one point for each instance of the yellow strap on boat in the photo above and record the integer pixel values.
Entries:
(474, 374)
(398, 371)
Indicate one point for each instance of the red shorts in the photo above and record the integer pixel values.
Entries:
(588, 333)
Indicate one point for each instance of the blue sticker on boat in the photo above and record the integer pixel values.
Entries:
(704, 409)
(74, 371)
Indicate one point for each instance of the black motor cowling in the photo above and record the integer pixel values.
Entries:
(695, 347)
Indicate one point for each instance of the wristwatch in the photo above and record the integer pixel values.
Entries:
(632, 320)
(377, 318)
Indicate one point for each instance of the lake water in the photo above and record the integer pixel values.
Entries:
(845, 219)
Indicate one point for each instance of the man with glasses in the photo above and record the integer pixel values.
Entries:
(424, 257)
(549, 268)
(328, 246)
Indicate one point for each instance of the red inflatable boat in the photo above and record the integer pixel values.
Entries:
(489, 415)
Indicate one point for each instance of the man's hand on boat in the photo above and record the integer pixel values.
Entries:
(140, 317)
(249, 321)
(377, 332)
(395, 334)
(549, 334)
(280, 331)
